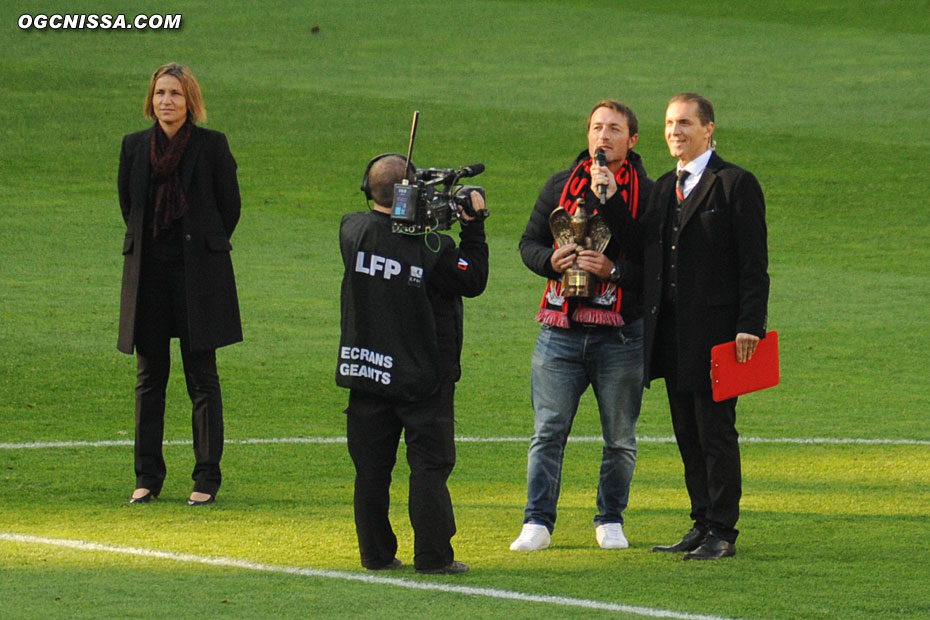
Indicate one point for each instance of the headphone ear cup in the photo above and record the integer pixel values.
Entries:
(366, 184)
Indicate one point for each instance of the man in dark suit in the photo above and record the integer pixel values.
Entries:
(706, 282)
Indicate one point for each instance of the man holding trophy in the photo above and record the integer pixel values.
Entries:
(584, 238)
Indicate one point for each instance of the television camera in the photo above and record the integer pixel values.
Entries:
(434, 199)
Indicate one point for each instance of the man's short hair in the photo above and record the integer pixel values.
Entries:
(196, 110)
(625, 110)
(384, 173)
(705, 107)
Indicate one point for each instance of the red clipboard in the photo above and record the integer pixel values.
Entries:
(730, 379)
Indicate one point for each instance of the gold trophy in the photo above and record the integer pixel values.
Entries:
(590, 232)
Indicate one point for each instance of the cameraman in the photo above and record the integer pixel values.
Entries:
(399, 357)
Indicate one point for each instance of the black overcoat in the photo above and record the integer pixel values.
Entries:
(208, 176)
(723, 282)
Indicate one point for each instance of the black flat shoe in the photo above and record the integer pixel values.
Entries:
(145, 499)
(203, 502)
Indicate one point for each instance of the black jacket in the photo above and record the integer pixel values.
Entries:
(722, 281)
(536, 245)
(402, 315)
(208, 176)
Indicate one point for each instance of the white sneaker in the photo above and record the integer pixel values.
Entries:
(610, 536)
(533, 537)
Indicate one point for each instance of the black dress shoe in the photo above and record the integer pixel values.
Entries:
(713, 549)
(453, 568)
(145, 499)
(201, 502)
(691, 541)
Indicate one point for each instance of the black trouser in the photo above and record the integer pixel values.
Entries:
(374, 425)
(709, 445)
(707, 441)
(161, 314)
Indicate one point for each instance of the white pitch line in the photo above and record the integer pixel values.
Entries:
(564, 601)
(525, 440)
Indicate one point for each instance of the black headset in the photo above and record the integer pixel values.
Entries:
(366, 183)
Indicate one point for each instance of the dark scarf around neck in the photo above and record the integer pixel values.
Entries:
(165, 155)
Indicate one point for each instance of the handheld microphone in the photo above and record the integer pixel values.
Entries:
(601, 158)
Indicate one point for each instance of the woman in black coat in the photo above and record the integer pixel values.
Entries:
(179, 197)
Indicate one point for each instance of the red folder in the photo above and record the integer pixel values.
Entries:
(731, 379)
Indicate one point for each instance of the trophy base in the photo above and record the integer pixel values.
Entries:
(577, 283)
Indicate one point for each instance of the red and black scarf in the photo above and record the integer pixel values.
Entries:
(165, 155)
(604, 307)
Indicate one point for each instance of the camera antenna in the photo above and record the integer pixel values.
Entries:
(413, 136)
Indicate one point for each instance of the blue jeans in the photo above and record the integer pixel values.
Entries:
(565, 362)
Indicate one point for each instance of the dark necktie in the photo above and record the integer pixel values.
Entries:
(680, 186)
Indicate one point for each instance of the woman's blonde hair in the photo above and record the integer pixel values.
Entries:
(192, 95)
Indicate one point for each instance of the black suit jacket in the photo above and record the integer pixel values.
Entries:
(208, 176)
(723, 282)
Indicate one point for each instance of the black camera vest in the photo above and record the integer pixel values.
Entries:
(389, 344)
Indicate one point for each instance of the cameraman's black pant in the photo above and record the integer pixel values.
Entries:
(374, 425)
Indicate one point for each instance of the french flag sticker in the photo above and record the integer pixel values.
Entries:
(463, 264)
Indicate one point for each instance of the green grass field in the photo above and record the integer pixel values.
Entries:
(824, 102)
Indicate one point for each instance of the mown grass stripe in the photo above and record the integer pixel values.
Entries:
(35, 445)
(511, 595)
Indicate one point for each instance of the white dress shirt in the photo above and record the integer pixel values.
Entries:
(695, 169)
